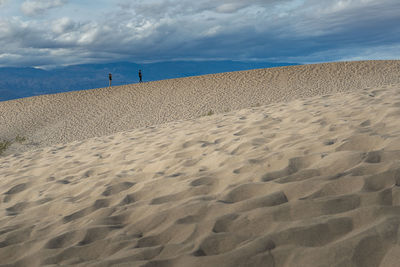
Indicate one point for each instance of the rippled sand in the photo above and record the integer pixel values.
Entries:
(310, 182)
(62, 118)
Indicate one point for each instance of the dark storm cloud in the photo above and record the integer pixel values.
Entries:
(292, 30)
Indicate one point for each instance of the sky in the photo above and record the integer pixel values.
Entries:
(51, 33)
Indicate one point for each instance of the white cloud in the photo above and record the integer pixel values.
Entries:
(35, 7)
(230, 7)
(63, 25)
(89, 35)
(302, 30)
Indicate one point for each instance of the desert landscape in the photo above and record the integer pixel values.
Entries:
(288, 166)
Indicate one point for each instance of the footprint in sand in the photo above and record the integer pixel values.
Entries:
(15, 190)
(63, 240)
(117, 188)
(244, 192)
(295, 165)
(222, 223)
(218, 243)
(203, 181)
(98, 204)
(17, 208)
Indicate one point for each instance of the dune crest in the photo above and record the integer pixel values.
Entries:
(62, 118)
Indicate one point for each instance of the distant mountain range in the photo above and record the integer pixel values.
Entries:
(25, 82)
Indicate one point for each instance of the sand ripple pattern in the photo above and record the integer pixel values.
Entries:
(311, 182)
(62, 118)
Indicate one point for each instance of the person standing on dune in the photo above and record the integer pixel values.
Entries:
(110, 78)
(140, 76)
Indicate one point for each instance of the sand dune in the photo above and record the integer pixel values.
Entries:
(310, 182)
(61, 118)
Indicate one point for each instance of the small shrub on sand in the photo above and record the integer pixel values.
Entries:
(210, 113)
(20, 139)
(4, 145)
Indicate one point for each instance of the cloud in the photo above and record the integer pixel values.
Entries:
(157, 9)
(35, 7)
(63, 25)
(155, 30)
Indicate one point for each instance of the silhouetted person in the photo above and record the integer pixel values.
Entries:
(140, 76)
(110, 78)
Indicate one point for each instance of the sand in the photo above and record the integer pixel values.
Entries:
(312, 181)
(62, 118)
